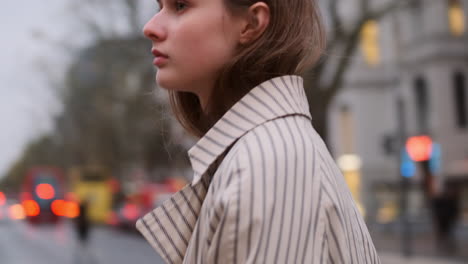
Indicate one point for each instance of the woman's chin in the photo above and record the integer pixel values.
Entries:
(162, 81)
(172, 83)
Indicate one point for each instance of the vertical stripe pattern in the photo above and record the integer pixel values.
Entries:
(265, 190)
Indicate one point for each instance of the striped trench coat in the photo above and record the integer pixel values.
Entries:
(265, 190)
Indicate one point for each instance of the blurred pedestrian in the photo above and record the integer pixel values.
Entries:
(83, 224)
(265, 188)
(83, 254)
(446, 207)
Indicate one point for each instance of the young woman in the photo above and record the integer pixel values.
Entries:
(265, 189)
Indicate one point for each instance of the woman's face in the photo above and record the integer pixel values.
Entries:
(196, 39)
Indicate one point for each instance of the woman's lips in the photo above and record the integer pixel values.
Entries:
(160, 61)
(160, 58)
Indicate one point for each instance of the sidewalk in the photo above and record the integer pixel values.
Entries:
(423, 247)
(389, 258)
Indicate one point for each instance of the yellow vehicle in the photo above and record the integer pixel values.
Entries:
(92, 184)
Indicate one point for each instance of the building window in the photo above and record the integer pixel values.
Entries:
(370, 42)
(460, 97)
(422, 104)
(456, 17)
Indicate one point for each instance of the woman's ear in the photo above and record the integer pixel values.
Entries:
(258, 18)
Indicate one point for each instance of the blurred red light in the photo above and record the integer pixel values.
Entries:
(31, 208)
(130, 211)
(45, 191)
(58, 207)
(64, 208)
(419, 148)
(2, 198)
(72, 209)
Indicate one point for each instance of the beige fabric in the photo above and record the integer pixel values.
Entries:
(265, 190)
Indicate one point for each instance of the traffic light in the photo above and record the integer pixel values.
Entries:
(419, 148)
(426, 154)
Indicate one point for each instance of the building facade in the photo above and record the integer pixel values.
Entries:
(417, 54)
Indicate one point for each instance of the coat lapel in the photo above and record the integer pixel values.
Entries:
(169, 227)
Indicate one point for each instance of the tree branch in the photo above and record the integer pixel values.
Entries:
(336, 22)
(352, 41)
(314, 74)
(344, 61)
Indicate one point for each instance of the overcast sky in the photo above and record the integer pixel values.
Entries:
(26, 101)
(35, 36)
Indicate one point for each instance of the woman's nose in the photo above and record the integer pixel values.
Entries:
(154, 29)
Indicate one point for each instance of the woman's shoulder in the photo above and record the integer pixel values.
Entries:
(283, 132)
(285, 146)
(278, 141)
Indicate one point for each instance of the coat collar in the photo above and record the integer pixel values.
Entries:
(271, 99)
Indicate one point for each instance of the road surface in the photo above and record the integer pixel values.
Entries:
(22, 243)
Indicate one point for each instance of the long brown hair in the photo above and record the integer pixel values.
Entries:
(292, 42)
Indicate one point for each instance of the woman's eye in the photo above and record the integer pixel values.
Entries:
(179, 5)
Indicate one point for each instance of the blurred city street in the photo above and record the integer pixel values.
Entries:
(89, 142)
(423, 249)
(387, 258)
(22, 243)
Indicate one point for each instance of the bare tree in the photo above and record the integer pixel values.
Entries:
(111, 115)
(325, 80)
(107, 18)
